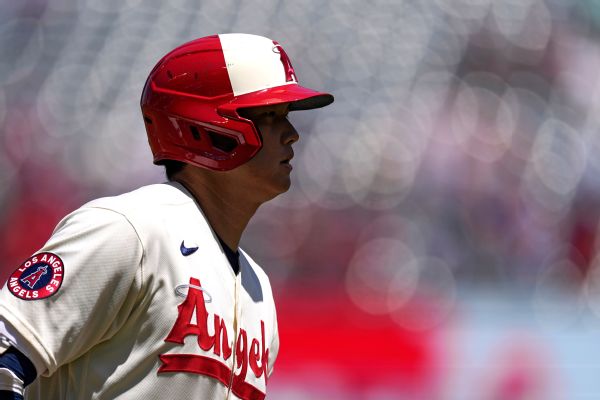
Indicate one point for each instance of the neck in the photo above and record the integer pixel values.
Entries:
(222, 205)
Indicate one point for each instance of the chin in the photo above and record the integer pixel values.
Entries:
(286, 186)
(279, 188)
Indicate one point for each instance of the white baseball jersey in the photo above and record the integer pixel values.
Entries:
(133, 298)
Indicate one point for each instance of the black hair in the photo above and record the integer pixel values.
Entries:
(172, 168)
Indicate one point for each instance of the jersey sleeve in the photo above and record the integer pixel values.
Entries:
(76, 291)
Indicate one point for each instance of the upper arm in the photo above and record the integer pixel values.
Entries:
(98, 257)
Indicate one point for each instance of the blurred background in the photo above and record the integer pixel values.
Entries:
(440, 239)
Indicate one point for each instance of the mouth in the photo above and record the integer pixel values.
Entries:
(286, 161)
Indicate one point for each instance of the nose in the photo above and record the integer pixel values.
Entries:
(290, 134)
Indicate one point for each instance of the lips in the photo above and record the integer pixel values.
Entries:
(287, 159)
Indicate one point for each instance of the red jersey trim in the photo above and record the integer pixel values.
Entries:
(246, 391)
(202, 365)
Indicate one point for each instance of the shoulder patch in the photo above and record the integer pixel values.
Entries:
(39, 277)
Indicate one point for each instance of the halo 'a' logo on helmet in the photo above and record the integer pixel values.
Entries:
(290, 75)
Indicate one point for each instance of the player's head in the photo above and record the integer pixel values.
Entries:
(195, 99)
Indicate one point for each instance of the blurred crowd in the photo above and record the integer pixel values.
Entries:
(460, 154)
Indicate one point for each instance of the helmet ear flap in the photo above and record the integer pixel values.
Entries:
(221, 145)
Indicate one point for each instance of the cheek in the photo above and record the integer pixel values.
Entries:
(261, 165)
(266, 161)
(270, 135)
(267, 155)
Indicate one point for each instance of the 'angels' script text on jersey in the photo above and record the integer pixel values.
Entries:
(255, 356)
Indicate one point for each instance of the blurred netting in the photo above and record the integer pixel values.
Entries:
(461, 151)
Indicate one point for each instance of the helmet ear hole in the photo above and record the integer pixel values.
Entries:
(195, 132)
(222, 142)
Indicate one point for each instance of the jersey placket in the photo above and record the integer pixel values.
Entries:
(236, 319)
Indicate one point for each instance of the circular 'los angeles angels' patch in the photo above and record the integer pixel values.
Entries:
(39, 277)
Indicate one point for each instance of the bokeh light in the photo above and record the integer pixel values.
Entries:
(446, 206)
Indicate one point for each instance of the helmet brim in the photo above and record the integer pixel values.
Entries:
(299, 97)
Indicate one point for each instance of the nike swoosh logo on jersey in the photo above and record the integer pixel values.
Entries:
(186, 251)
(181, 292)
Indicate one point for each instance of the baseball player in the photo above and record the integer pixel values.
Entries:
(146, 295)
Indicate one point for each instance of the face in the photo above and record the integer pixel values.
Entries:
(267, 174)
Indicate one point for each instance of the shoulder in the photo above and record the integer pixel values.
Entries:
(148, 206)
(143, 199)
(134, 214)
(95, 229)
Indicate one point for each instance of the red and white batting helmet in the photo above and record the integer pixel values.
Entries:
(191, 99)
